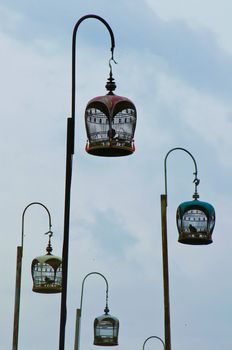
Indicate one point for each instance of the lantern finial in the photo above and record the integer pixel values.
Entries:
(196, 181)
(49, 246)
(110, 84)
(106, 310)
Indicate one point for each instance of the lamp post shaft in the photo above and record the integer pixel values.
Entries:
(17, 298)
(77, 329)
(69, 157)
(167, 327)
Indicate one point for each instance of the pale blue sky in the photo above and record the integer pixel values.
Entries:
(175, 63)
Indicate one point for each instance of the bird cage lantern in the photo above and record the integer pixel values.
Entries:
(195, 221)
(46, 272)
(110, 124)
(106, 328)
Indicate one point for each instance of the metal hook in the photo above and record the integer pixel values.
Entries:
(110, 85)
(49, 247)
(112, 59)
(112, 56)
(196, 181)
(50, 233)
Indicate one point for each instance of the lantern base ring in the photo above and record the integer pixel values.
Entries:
(106, 342)
(109, 151)
(47, 290)
(200, 238)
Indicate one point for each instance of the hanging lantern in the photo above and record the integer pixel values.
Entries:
(110, 124)
(106, 328)
(46, 272)
(195, 222)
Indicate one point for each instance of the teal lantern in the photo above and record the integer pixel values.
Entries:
(195, 222)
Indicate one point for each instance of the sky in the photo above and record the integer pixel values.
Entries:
(175, 63)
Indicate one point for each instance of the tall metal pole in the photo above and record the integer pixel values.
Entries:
(18, 278)
(68, 177)
(17, 297)
(167, 326)
(163, 199)
(77, 329)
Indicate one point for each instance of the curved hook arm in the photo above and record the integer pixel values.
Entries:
(153, 336)
(74, 63)
(49, 219)
(196, 180)
(107, 288)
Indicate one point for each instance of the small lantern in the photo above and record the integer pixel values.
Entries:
(110, 124)
(46, 272)
(106, 328)
(195, 222)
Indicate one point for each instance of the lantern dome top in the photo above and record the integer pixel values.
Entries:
(206, 207)
(50, 259)
(111, 104)
(107, 316)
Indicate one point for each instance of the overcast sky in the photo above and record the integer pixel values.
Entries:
(175, 63)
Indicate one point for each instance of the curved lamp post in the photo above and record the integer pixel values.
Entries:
(151, 337)
(195, 223)
(46, 273)
(110, 125)
(106, 327)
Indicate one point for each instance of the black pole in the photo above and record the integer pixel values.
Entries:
(63, 307)
(68, 178)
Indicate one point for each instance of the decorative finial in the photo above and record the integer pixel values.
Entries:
(106, 310)
(196, 181)
(110, 84)
(49, 246)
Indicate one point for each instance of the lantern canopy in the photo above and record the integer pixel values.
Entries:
(106, 328)
(110, 124)
(46, 271)
(195, 222)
